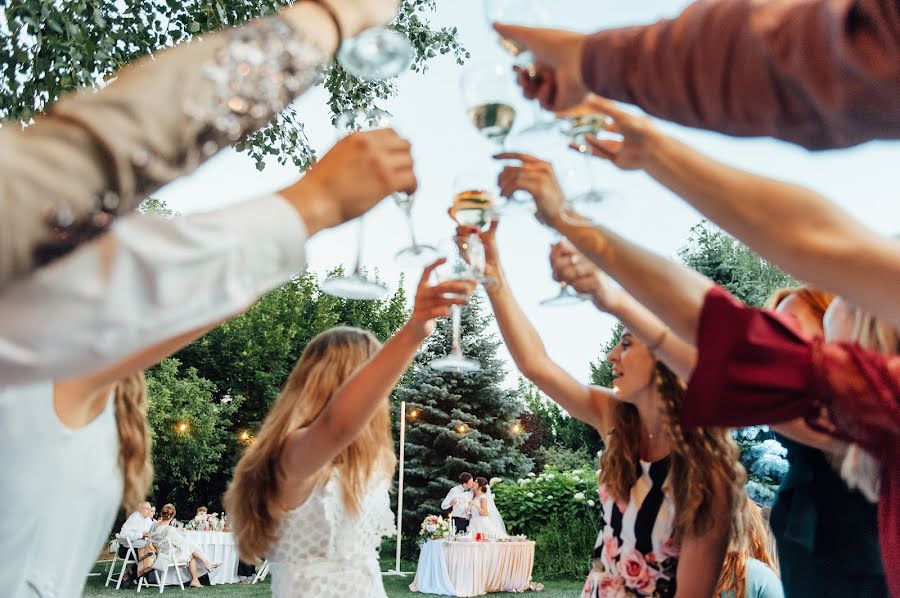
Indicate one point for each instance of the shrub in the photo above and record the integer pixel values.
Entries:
(559, 510)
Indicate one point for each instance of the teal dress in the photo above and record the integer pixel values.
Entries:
(762, 582)
(827, 534)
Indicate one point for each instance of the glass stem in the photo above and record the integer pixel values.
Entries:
(357, 269)
(407, 209)
(589, 172)
(456, 313)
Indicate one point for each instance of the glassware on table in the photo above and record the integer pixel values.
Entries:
(357, 285)
(461, 264)
(375, 54)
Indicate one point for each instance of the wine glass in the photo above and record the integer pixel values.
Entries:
(462, 264)
(375, 54)
(357, 285)
(475, 199)
(576, 128)
(488, 95)
(529, 13)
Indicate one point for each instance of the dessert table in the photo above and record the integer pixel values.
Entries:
(454, 568)
(218, 547)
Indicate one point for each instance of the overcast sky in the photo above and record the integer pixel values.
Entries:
(430, 112)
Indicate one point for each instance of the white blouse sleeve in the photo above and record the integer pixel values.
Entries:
(148, 280)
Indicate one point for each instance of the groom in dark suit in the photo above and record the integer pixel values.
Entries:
(457, 501)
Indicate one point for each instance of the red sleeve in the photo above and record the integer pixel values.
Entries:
(823, 73)
(752, 367)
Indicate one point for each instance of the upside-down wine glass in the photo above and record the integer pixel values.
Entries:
(357, 285)
(375, 54)
(462, 264)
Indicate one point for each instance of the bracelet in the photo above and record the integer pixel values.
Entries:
(334, 19)
(662, 337)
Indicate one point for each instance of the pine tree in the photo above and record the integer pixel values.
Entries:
(464, 422)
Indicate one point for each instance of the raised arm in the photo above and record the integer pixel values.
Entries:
(820, 73)
(151, 279)
(701, 556)
(587, 403)
(309, 449)
(571, 267)
(95, 155)
(794, 227)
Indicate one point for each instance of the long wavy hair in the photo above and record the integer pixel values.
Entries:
(871, 333)
(252, 497)
(130, 398)
(701, 460)
(752, 544)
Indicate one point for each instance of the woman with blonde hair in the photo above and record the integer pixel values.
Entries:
(311, 493)
(667, 492)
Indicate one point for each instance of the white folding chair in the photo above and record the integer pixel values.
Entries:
(261, 571)
(162, 575)
(130, 558)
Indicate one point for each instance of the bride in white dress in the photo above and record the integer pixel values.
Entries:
(483, 513)
(311, 493)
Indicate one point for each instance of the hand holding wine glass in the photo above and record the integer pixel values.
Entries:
(639, 136)
(492, 272)
(437, 300)
(572, 268)
(537, 178)
(556, 80)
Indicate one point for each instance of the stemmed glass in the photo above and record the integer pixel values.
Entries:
(465, 261)
(529, 13)
(475, 199)
(375, 54)
(577, 128)
(357, 285)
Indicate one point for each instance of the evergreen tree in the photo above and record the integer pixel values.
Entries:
(464, 422)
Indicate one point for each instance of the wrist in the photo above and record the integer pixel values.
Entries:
(312, 204)
(413, 331)
(313, 22)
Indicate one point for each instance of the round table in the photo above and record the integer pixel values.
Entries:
(218, 547)
(473, 568)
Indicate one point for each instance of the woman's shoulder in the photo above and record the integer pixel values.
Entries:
(762, 582)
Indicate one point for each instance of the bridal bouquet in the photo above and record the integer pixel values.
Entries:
(434, 527)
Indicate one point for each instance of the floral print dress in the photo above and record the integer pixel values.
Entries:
(635, 554)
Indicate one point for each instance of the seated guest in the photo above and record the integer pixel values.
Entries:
(170, 541)
(152, 512)
(136, 528)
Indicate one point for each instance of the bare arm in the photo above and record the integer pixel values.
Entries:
(701, 558)
(799, 431)
(570, 266)
(794, 227)
(482, 507)
(587, 403)
(307, 450)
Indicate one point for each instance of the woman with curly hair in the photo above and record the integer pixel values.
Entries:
(667, 492)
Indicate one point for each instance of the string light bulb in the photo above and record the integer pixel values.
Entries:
(182, 427)
(517, 428)
(462, 428)
(413, 413)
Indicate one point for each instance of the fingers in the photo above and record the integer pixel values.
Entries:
(465, 231)
(609, 108)
(426, 273)
(524, 158)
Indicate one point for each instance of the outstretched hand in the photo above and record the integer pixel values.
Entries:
(434, 301)
(488, 238)
(535, 176)
(637, 131)
(571, 267)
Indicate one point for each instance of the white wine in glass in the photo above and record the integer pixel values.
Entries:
(494, 120)
(473, 207)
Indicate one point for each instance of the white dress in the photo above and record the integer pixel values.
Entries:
(60, 490)
(491, 525)
(321, 552)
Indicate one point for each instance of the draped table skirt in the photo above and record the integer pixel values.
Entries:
(218, 547)
(473, 568)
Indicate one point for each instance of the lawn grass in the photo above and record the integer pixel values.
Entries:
(395, 586)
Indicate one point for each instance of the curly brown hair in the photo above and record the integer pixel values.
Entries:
(702, 460)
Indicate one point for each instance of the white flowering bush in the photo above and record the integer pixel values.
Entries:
(530, 502)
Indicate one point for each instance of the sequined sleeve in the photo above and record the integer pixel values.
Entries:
(96, 155)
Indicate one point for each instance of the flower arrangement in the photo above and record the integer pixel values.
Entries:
(205, 522)
(434, 527)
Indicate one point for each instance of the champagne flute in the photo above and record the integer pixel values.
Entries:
(376, 54)
(577, 128)
(357, 285)
(459, 266)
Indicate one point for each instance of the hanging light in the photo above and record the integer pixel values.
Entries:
(182, 427)
(413, 413)
(517, 428)
(462, 428)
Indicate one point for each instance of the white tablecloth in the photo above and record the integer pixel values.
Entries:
(218, 547)
(473, 568)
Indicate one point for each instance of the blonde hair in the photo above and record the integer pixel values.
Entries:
(252, 497)
(752, 544)
(873, 334)
(130, 396)
(816, 300)
(702, 460)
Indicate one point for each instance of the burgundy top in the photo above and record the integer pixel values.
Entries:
(755, 367)
(820, 73)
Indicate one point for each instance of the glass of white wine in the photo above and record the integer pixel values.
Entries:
(375, 54)
(475, 199)
(357, 285)
(465, 260)
(487, 93)
(581, 207)
(528, 13)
